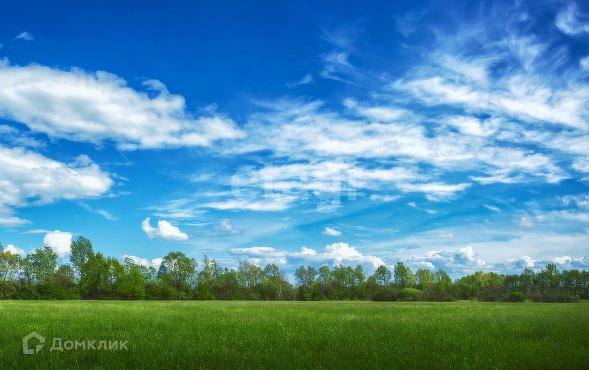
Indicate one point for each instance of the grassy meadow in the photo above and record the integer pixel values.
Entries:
(293, 335)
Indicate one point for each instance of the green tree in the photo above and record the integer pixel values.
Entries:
(277, 279)
(9, 267)
(424, 279)
(305, 277)
(179, 269)
(82, 252)
(382, 275)
(44, 262)
(526, 279)
(403, 276)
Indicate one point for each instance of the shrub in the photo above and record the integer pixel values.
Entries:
(410, 294)
(517, 297)
(386, 293)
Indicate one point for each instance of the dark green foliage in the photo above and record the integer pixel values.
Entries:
(517, 297)
(91, 275)
(386, 294)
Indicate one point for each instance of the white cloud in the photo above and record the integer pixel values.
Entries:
(331, 232)
(492, 208)
(583, 217)
(59, 241)
(459, 261)
(227, 228)
(446, 236)
(385, 198)
(337, 253)
(25, 36)
(435, 191)
(581, 164)
(336, 177)
(277, 204)
(528, 88)
(584, 63)
(27, 175)
(16, 137)
(15, 250)
(525, 223)
(156, 262)
(474, 126)
(164, 230)
(305, 80)
(178, 208)
(12, 221)
(106, 215)
(98, 107)
(101, 212)
(568, 21)
(583, 203)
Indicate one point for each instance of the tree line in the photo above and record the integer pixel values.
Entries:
(91, 275)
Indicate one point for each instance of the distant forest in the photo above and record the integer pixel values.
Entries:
(91, 275)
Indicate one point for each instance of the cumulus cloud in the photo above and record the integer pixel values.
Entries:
(98, 107)
(155, 263)
(15, 250)
(337, 253)
(331, 232)
(461, 260)
(27, 175)
(164, 230)
(59, 241)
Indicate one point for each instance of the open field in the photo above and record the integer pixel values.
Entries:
(309, 335)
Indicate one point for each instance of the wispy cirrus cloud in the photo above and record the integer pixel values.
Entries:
(25, 36)
(570, 20)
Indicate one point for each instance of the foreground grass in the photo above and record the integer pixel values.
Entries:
(288, 335)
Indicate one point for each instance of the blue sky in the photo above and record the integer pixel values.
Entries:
(449, 135)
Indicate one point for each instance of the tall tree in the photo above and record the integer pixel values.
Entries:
(179, 269)
(424, 278)
(9, 265)
(82, 251)
(403, 275)
(382, 275)
(44, 262)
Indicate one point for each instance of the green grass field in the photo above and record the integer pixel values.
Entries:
(305, 335)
